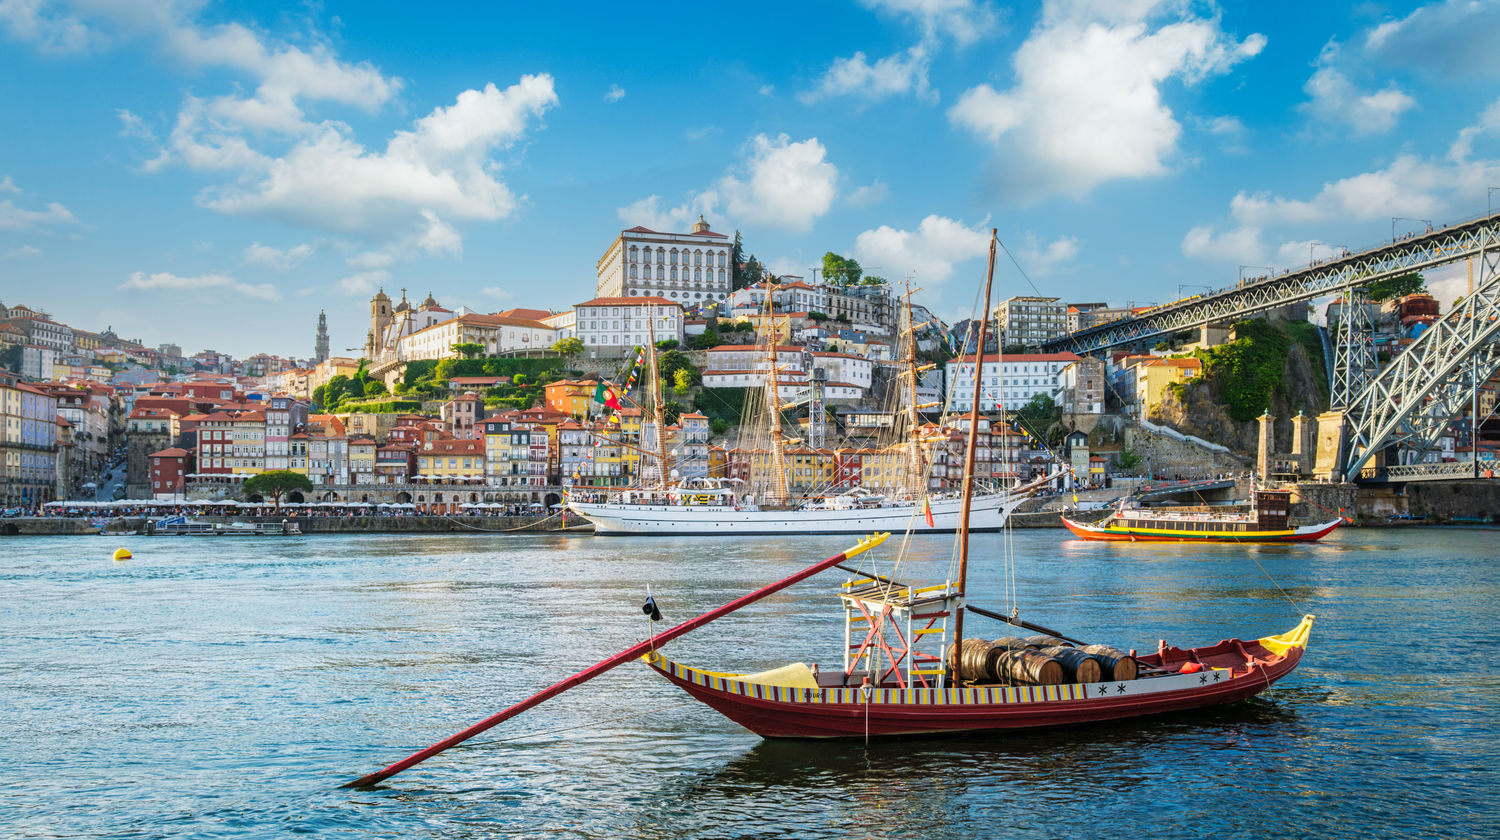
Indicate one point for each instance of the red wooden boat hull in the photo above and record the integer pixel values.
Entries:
(1234, 670)
(1120, 534)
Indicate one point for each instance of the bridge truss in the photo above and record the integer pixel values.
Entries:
(1416, 398)
(1454, 243)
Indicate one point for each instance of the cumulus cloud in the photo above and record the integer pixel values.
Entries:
(1333, 98)
(649, 213)
(930, 252)
(869, 195)
(54, 31)
(779, 184)
(1241, 244)
(163, 281)
(1087, 104)
(443, 166)
(280, 159)
(904, 72)
(15, 217)
(1451, 40)
(496, 292)
(22, 252)
(362, 283)
(258, 254)
(962, 21)
(1040, 259)
(614, 94)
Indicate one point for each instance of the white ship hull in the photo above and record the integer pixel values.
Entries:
(988, 513)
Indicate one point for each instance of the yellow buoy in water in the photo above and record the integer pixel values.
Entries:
(122, 553)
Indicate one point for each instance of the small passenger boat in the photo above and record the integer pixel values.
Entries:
(1268, 520)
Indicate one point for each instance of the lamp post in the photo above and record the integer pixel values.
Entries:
(1488, 201)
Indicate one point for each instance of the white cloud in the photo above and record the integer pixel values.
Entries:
(964, 21)
(614, 94)
(869, 195)
(19, 218)
(1240, 245)
(784, 185)
(930, 252)
(163, 281)
(1453, 40)
(780, 184)
(362, 283)
(1087, 105)
(53, 31)
(258, 254)
(1333, 98)
(1041, 259)
(439, 237)
(496, 292)
(442, 166)
(22, 252)
(370, 260)
(648, 212)
(890, 76)
(767, 90)
(7, 185)
(1489, 123)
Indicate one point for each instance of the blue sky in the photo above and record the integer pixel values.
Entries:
(215, 173)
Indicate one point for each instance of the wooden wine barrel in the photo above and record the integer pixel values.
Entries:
(1118, 665)
(1047, 641)
(1013, 643)
(975, 661)
(1028, 667)
(1077, 666)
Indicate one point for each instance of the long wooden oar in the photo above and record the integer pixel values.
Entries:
(618, 659)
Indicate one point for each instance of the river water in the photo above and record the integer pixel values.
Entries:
(225, 687)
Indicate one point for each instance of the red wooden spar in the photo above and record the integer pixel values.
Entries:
(618, 659)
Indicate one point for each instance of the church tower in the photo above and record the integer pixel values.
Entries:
(380, 318)
(320, 349)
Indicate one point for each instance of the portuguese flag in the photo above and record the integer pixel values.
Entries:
(605, 395)
(927, 511)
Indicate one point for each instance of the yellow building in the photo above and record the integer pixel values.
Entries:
(362, 460)
(1152, 376)
(571, 396)
(248, 456)
(452, 459)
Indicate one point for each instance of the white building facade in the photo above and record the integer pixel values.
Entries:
(1008, 382)
(687, 268)
(610, 326)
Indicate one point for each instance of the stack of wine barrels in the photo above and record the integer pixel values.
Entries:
(1039, 660)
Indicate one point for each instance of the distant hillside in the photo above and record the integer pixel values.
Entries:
(1270, 366)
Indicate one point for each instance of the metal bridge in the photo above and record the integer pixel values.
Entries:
(1408, 406)
(1454, 243)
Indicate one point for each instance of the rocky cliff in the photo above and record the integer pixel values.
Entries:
(1198, 407)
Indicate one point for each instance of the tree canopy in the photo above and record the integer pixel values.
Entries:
(1394, 287)
(841, 271)
(275, 483)
(468, 349)
(570, 346)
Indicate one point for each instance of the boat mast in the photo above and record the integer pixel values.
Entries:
(916, 468)
(661, 424)
(968, 483)
(773, 404)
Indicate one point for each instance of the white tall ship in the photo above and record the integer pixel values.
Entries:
(704, 507)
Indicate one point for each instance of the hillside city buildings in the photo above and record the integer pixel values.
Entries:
(77, 405)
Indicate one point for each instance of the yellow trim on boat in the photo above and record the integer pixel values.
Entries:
(1294, 638)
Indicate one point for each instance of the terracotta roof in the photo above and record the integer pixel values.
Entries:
(629, 301)
(174, 452)
(531, 314)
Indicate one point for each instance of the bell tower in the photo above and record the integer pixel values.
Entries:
(380, 318)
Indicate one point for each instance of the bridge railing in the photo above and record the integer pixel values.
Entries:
(1433, 472)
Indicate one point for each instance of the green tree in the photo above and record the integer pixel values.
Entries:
(671, 410)
(752, 273)
(872, 280)
(709, 338)
(682, 381)
(375, 388)
(468, 349)
(736, 257)
(668, 344)
(840, 271)
(1128, 459)
(817, 317)
(318, 394)
(670, 363)
(1394, 287)
(275, 484)
(571, 346)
